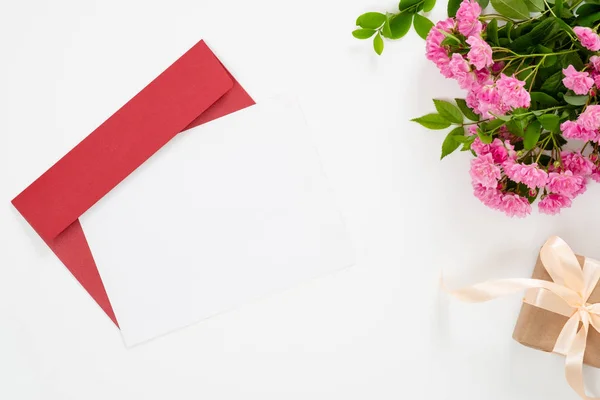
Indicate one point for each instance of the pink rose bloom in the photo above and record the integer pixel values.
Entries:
(480, 54)
(588, 38)
(483, 77)
(491, 197)
(484, 171)
(527, 174)
(595, 61)
(553, 203)
(467, 17)
(590, 118)
(433, 46)
(565, 183)
(596, 78)
(577, 163)
(572, 130)
(512, 92)
(471, 130)
(488, 101)
(515, 206)
(461, 71)
(578, 82)
(595, 174)
(501, 151)
(498, 66)
(479, 148)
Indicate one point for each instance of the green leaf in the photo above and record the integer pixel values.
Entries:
(543, 98)
(493, 124)
(502, 117)
(553, 83)
(428, 5)
(370, 20)
(448, 111)
(535, 5)
(483, 3)
(405, 4)
(587, 9)
(422, 25)
(540, 32)
(378, 44)
(387, 31)
(467, 112)
(550, 122)
(492, 31)
(532, 135)
(453, 6)
(515, 128)
(363, 33)
(509, 8)
(450, 41)
(432, 121)
(452, 141)
(558, 7)
(400, 24)
(572, 59)
(588, 20)
(485, 139)
(576, 100)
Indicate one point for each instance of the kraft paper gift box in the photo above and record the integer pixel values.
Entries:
(538, 328)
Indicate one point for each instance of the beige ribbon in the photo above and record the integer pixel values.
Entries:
(568, 295)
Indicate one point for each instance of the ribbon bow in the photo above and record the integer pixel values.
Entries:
(568, 295)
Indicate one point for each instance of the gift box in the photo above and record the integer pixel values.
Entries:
(539, 328)
(561, 307)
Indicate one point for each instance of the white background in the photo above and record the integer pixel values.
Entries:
(379, 330)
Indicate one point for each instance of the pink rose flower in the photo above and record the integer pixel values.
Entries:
(467, 17)
(498, 66)
(595, 61)
(515, 206)
(512, 92)
(595, 174)
(502, 151)
(577, 163)
(572, 130)
(433, 46)
(480, 54)
(479, 148)
(565, 183)
(553, 203)
(484, 171)
(590, 118)
(491, 197)
(596, 78)
(578, 82)
(588, 38)
(461, 71)
(486, 101)
(527, 174)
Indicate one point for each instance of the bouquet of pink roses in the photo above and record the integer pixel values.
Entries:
(531, 74)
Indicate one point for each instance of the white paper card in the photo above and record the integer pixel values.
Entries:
(225, 213)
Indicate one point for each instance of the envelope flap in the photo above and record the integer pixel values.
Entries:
(123, 142)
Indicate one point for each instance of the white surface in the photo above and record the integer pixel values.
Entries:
(226, 213)
(378, 330)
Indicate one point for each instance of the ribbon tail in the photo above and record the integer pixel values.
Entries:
(489, 290)
(567, 336)
(574, 362)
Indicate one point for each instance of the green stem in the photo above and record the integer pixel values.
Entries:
(578, 2)
(497, 16)
(517, 55)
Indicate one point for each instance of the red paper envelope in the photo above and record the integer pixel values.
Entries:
(195, 89)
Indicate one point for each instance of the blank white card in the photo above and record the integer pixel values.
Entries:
(225, 213)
